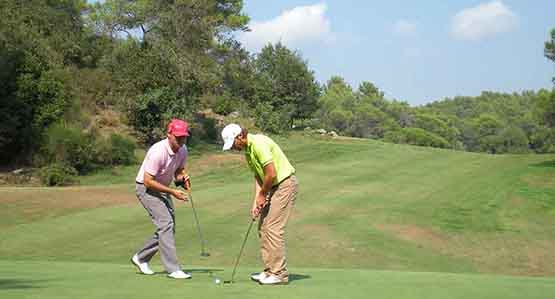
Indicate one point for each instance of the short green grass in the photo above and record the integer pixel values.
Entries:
(371, 220)
(105, 280)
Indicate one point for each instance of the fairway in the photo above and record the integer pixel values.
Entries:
(372, 220)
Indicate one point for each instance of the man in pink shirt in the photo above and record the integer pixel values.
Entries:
(164, 162)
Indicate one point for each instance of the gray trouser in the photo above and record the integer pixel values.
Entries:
(160, 208)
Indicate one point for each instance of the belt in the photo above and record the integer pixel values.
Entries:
(284, 179)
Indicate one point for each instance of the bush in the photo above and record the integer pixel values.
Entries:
(514, 140)
(225, 104)
(152, 111)
(416, 136)
(57, 174)
(116, 150)
(543, 140)
(270, 120)
(68, 146)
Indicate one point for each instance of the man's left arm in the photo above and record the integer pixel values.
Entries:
(181, 174)
(267, 183)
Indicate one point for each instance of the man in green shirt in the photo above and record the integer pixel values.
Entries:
(276, 188)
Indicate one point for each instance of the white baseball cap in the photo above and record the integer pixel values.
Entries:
(228, 135)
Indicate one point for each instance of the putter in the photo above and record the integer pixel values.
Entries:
(240, 253)
(202, 241)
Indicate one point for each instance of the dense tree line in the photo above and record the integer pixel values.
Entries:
(491, 122)
(62, 62)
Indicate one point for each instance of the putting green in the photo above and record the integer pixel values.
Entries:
(22, 279)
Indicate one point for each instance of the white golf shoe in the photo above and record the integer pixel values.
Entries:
(179, 275)
(258, 276)
(272, 280)
(143, 267)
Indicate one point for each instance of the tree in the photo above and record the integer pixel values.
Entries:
(370, 90)
(545, 108)
(514, 140)
(177, 49)
(488, 128)
(39, 41)
(286, 83)
(434, 124)
(357, 114)
(336, 105)
(549, 49)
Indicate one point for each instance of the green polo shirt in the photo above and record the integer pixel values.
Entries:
(260, 151)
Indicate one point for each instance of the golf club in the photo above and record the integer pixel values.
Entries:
(240, 253)
(202, 240)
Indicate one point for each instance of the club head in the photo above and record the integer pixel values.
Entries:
(228, 281)
(205, 254)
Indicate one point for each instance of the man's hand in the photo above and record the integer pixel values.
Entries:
(260, 202)
(180, 195)
(255, 212)
(183, 181)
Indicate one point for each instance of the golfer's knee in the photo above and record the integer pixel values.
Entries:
(166, 226)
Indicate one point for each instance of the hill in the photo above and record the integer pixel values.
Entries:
(364, 207)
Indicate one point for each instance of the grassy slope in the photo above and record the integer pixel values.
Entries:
(363, 204)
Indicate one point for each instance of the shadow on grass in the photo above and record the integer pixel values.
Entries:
(295, 277)
(19, 284)
(544, 164)
(193, 271)
(209, 271)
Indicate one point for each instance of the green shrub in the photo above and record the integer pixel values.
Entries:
(514, 140)
(68, 146)
(151, 112)
(225, 104)
(57, 174)
(120, 151)
(416, 136)
(543, 140)
(270, 120)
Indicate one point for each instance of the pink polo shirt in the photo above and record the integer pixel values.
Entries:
(162, 162)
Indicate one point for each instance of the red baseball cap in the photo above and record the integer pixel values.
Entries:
(178, 127)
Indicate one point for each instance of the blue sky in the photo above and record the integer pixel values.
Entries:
(415, 51)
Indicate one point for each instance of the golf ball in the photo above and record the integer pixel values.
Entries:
(217, 281)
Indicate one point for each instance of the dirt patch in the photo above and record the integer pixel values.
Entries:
(511, 256)
(539, 256)
(540, 181)
(489, 253)
(412, 233)
(30, 204)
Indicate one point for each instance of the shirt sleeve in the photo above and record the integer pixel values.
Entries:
(153, 162)
(264, 154)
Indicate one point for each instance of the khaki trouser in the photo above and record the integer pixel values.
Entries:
(271, 227)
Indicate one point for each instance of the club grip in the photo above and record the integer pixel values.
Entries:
(180, 183)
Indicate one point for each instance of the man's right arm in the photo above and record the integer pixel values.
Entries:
(151, 183)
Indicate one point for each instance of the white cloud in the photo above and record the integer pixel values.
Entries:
(295, 27)
(484, 20)
(404, 28)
